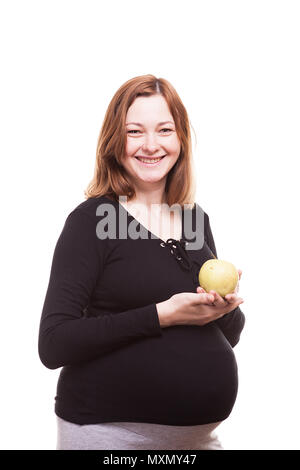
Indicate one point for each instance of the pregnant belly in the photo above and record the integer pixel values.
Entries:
(186, 376)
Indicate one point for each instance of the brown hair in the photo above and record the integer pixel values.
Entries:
(109, 176)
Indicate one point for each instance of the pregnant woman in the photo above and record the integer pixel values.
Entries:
(146, 354)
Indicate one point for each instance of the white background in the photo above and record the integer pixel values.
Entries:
(235, 65)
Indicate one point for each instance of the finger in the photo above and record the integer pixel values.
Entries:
(237, 301)
(200, 289)
(208, 299)
(205, 298)
(231, 297)
(236, 290)
(218, 300)
(240, 273)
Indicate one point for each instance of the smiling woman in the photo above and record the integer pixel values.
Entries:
(147, 359)
(145, 120)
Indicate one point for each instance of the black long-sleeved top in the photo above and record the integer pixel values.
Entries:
(100, 324)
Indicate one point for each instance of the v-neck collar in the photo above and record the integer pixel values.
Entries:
(153, 236)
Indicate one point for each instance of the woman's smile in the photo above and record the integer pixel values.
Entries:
(149, 161)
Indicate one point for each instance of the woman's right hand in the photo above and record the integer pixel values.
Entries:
(188, 308)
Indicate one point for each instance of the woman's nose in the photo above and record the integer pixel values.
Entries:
(150, 143)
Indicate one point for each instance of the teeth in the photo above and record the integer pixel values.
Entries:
(149, 160)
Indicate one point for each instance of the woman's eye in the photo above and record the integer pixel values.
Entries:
(135, 130)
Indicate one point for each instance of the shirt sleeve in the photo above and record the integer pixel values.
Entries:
(233, 322)
(66, 335)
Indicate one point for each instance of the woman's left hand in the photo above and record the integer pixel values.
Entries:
(229, 298)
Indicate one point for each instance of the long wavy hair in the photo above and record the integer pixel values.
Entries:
(109, 175)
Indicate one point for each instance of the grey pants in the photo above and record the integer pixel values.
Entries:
(135, 436)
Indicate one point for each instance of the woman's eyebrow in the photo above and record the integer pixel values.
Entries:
(141, 125)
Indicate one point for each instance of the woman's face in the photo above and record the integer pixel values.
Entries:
(149, 136)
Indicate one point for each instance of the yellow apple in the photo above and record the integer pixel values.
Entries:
(218, 275)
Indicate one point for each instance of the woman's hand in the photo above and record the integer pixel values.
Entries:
(189, 308)
(218, 300)
(199, 308)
